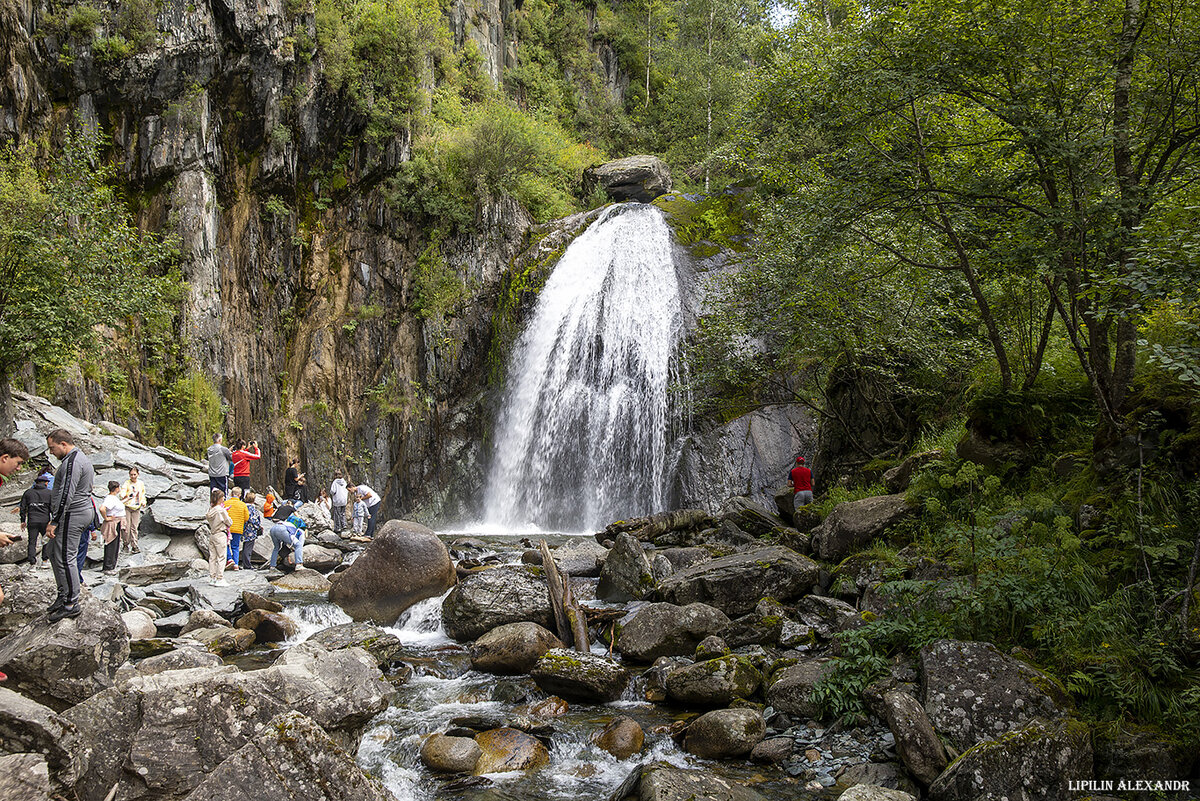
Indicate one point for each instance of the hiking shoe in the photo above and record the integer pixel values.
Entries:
(65, 612)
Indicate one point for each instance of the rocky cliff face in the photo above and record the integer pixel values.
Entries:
(300, 299)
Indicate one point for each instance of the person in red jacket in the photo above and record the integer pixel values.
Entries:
(800, 481)
(243, 455)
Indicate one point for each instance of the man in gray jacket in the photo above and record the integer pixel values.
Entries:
(219, 459)
(71, 512)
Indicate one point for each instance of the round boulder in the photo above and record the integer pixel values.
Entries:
(320, 558)
(450, 754)
(668, 630)
(725, 733)
(139, 623)
(303, 580)
(715, 682)
(622, 738)
(494, 597)
(512, 648)
(268, 626)
(503, 750)
(203, 619)
(584, 677)
(404, 563)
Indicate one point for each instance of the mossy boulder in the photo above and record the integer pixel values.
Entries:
(627, 574)
(504, 750)
(494, 597)
(581, 677)
(735, 584)
(855, 524)
(385, 648)
(791, 689)
(715, 682)
(725, 733)
(668, 630)
(512, 648)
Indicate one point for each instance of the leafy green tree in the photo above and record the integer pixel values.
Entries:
(71, 260)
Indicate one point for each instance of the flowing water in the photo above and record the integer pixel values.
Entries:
(587, 419)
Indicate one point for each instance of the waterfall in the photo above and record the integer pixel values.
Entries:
(583, 434)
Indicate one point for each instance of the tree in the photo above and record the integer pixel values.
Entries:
(70, 258)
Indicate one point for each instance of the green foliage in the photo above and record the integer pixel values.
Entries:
(112, 48)
(137, 23)
(439, 289)
(189, 413)
(83, 19)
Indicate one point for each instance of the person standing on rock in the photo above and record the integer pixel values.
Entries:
(239, 513)
(243, 455)
(35, 515)
(219, 458)
(218, 538)
(338, 498)
(250, 531)
(371, 499)
(71, 514)
(133, 493)
(800, 481)
(291, 481)
(113, 509)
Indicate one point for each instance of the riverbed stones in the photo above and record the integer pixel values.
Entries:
(223, 640)
(139, 622)
(725, 733)
(791, 689)
(772, 751)
(24, 777)
(291, 757)
(446, 754)
(303, 579)
(384, 647)
(871, 792)
(203, 619)
(1031, 764)
(512, 648)
(155, 573)
(320, 558)
(627, 574)
(404, 563)
(27, 726)
(854, 524)
(972, 692)
(715, 682)
(581, 677)
(494, 597)
(622, 737)
(268, 626)
(503, 750)
(63, 663)
(580, 557)
(916, 742)
(662, 782)
(735, 584)
(661, 629)
(178, 659)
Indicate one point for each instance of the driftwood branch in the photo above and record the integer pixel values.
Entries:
(569, 618)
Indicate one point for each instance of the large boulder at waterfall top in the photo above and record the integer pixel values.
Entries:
(725, 733)
(640, 178)
(581, 677)
(973, 692)
(853, 525)
(735, 584)
(1032, 764)
(668, 630)
(512, 648)
(405, 563)
(292, 757)
(714, 682)
(63, 663)
(494, 597)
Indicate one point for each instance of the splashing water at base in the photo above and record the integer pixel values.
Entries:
(583, 435)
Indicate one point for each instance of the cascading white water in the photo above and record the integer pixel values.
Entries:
(582, 438)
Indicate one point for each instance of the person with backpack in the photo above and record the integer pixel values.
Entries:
(71, 513)
(35, 516)
(287, 533)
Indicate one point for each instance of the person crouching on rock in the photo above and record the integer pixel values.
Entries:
(219, 523)
(286, 534)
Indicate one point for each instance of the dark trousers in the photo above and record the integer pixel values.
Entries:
(219, 482)
(33, 531)
(111, 551)
(64, 550)
(244, 556)
(339, 518)
(243, 482)
(371, 512)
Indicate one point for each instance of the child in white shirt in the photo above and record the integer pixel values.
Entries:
(360, 517)
(113, 509)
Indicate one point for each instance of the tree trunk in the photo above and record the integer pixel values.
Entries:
(7, 427)
(712, 10)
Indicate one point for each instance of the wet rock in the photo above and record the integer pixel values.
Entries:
(268, 626)
(715, 682)
(579, 557)
(622, 737)
(668, 630)
(711, 648)
(320, 558)
(203, 619)
(627, 574)
(303, 579)
(292, 757)
(27, 726)
(179, 659)
(683, 558)
(450, 754)
(504, 750)
(384, 647)
(972, 692)
(725, 733)
(855, 524)
(404, 563)
(223, 640)
(791, 689)
(494, 597)
(253, 601)
(552, 707)
(870, 792)
(24, 777)
(916, 742)
(1031, 764)
(734, 584)
(772, 751)
(63, 663)
(661, 782)
(157, 573)
(640, 178)
(751, 516)
(139, 622)
(512, 648)
(582, 677)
